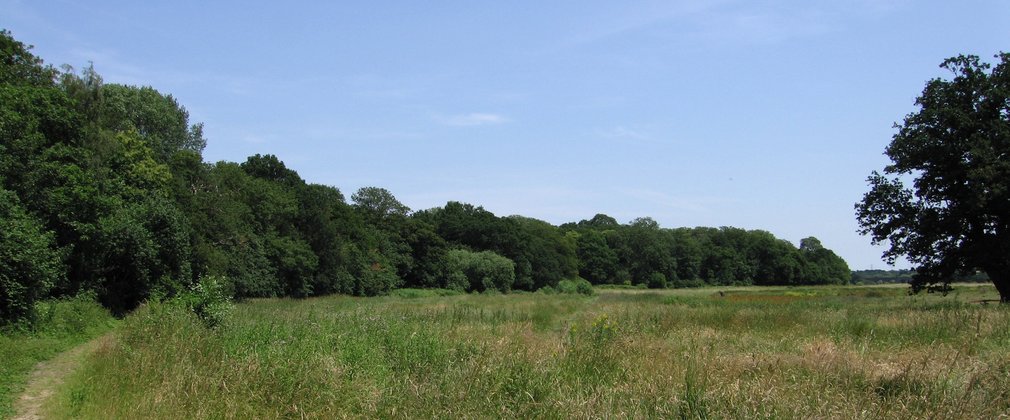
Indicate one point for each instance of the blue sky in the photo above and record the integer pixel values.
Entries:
(756, 114)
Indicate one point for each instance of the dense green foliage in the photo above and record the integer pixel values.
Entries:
(642, 253)
(749, 353)
(955, 218)
(29, 266)
(103, 188)
(479, 271)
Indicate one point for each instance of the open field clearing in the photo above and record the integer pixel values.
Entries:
(841, 352)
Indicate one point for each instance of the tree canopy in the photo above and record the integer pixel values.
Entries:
(954, 218)
(104, 190)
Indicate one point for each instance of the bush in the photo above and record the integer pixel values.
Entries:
(576, 286)
(209, 299)
(81, 315)
(657, 281)
(483, 271)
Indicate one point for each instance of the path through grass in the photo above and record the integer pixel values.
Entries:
(61, 325)
(49, 376)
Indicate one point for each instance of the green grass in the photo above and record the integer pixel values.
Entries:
(60, 325)
(849, 352)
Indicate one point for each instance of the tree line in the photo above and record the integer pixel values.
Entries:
(104, 189)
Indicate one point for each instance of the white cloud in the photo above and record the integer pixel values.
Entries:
(473, 119)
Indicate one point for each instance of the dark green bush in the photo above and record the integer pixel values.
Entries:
(657, 281)
(483, 271)
(576, 286)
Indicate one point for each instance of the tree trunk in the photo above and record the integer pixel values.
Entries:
(1001, 279)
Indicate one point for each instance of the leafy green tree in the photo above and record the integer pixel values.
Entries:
(468, 225)
(379, 203)
(955, 149)
(325, 221)
(295, 264)
(657, 281)
(780, 263)
(143, 249)
(600, 222)
(647, 250)
(131, 170)
(822, 265)
(483, 270)
(43, 163)
(19, 66)
(551, 255)
(372, 274)
(270, 168)
(688, 254)
(228, 239)
(29, 262)
(597, 262)
(35, 118)
(429, 253)
(158, 118)
(271, 195)
(85, 89)
(386, 226)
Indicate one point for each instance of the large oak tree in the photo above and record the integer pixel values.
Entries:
(954, 218)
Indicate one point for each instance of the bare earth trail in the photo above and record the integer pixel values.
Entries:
(49, 375)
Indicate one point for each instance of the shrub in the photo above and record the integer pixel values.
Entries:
(209, 299)
(547, 290)
(576, 286)
(483, 271)
(80, 315)
(657, 281)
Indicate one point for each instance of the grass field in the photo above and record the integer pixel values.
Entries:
(842, 352)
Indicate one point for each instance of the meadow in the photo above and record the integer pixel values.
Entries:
(838, 352)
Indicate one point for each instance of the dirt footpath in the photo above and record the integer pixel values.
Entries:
(49, 375)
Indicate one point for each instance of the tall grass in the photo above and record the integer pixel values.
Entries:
(58, 326)
(867, 352)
